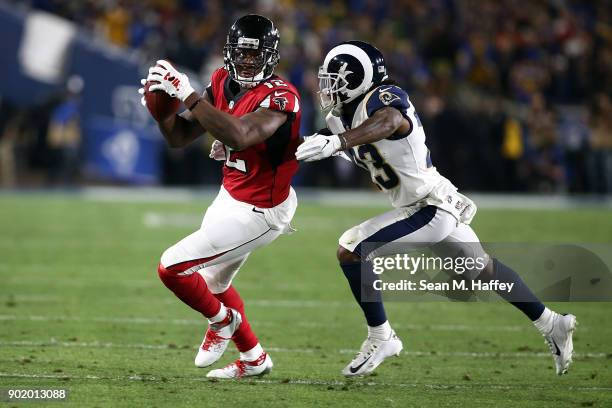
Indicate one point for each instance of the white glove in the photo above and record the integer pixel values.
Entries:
(171, 81)
(143, 101)
(217, 151)
(317, 147)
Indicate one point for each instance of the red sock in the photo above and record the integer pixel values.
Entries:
(191, 289)
(244, 338)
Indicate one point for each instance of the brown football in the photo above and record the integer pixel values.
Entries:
(160, 104)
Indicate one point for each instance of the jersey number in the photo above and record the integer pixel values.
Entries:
(237, 164)
(274, 82)
(384, 176)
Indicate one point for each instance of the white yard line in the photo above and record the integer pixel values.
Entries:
(297, 303)
(306, 382)
(128, 320)
(363, 198)
(422, 385)
(351, 198)
(75, 282)
(286, 303)
(53, 376)
(306, 324)
(84, 281)
(170, 219)
(413, 353)
(153, 219)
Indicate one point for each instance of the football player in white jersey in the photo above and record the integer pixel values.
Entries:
(371, 121)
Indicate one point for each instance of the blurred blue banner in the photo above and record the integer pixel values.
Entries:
(121, 152)
(120, 140)
(16, 86)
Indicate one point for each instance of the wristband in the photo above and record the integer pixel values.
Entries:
(342, 142)
(193, 105)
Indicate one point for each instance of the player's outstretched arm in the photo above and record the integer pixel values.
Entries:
(237, 133)
(178, 130)
(181, 129)
(382, 124)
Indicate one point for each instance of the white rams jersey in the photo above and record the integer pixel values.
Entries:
(399, 165)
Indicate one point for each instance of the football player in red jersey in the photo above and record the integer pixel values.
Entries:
(254, 116)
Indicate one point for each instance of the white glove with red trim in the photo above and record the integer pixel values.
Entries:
(174, 83)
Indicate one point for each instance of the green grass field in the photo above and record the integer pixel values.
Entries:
(81, 308)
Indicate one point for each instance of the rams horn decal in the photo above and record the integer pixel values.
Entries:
(387, 97)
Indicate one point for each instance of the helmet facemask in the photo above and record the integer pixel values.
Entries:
(251, 50)
(249, 64)
(349, 71)
(332, 88)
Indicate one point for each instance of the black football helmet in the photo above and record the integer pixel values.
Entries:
(349, 70)
(251, 52)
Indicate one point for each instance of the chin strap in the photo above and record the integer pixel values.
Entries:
(249, 84)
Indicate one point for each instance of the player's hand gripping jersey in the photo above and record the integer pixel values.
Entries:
(261, 174)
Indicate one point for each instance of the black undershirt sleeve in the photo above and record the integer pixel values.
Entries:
(278, 142)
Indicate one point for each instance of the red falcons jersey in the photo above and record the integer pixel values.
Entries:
(260, 174)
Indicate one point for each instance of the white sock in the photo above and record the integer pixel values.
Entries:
(252, 354)
(219, 316)
(544, 323)
(382, 332)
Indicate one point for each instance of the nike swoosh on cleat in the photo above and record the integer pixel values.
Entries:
(353, 370)
(556, 347)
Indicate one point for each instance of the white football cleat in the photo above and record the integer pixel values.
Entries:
(217, 339)
(372, 353)
(560, 342)
(239, 368)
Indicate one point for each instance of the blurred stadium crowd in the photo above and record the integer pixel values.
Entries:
(514, 95)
